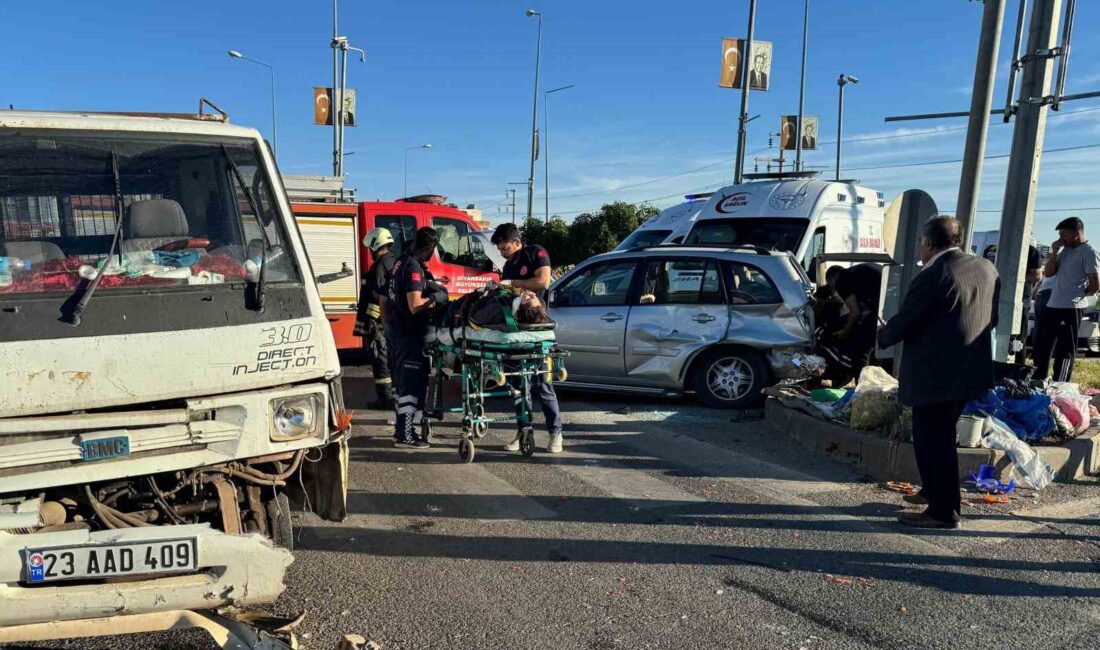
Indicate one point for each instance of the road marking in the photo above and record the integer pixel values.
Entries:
(643, 490)
(1024, 522)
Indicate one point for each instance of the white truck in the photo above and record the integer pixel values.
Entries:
(167, 374)
(798, 213)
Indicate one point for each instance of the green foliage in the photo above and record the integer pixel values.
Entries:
(589, 234)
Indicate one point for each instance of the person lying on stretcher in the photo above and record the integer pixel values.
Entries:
(496, 307)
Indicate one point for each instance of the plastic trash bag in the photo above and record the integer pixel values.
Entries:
(1027, 462)
(1072, 404)
(1028, 418)
(874, 402)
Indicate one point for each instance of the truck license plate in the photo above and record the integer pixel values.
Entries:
(104, 448)
(110, 560)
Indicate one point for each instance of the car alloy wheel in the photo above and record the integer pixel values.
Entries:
(730, 378)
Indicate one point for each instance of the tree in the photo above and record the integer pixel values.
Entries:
(591, 233)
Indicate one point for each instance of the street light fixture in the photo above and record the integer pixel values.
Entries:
(844, 80)
(407, 150)
(534, 118)
(234, 54)
(546, 145)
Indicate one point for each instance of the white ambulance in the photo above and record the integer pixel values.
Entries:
(798, 213)
(668, 226)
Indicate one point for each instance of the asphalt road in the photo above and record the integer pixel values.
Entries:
(667, 525)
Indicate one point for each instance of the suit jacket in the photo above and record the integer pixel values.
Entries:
(946, 321)
(758, 80)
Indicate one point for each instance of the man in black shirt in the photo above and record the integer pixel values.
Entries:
(528, 267)
(849, 349)
(368, 317)
(406, 324)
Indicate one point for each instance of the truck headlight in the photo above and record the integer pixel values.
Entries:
(294, 417)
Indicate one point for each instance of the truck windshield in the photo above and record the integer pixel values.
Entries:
(781, 234)
(643, 239)
(186, 220)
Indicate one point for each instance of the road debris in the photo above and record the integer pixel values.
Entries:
(901, 486)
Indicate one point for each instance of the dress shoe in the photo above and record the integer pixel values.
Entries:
(916, 499)
(922, 520)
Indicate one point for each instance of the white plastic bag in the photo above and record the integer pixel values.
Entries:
(1027, 462)
(874, 403)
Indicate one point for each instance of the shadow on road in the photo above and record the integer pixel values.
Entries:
(932, 570)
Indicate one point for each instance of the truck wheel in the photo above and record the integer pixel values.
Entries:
(278, 521)
(730, 378)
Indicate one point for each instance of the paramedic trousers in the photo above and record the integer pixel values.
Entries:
(1056, 335)
(541, 387)
(934, 445)
(410, 368)
(379, 354)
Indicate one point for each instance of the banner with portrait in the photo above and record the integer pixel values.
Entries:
(788, 127)
(733, 64)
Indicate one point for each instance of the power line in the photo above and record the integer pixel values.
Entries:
(876, 138)
(915, 164)
(1055, 210)
(959, 160)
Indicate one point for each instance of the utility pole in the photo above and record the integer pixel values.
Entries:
(534, 119)
(336, 157)
(801, 89)
(981, 103)
(514, 199)
(1022, 181)
(742, 131)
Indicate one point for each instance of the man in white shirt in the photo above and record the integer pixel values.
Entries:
(1073, 270)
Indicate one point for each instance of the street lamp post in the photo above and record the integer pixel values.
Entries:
(407, 150)
(534, 118)
(546, 146)
(274, 132)
(844, 80)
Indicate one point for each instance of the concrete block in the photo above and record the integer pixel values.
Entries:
(1084, 454)
(875, 456)
(903, 463)
(841, 444)
(895, 461)
(971, 460)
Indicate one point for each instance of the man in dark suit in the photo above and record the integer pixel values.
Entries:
(758, 77)
(946, 321)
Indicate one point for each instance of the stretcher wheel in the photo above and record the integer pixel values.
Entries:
(479, 426)
(466, 450)
(527, 442)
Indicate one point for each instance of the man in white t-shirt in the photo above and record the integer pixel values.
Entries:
(1072, 268)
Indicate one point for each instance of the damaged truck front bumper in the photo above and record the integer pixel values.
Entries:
(226, 570)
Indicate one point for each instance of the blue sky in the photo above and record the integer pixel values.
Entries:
(645, 106)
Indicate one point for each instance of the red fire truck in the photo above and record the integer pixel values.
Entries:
(333, 233)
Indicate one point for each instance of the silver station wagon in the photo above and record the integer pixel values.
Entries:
(722, 322)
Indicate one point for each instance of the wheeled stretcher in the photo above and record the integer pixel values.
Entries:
(490, 363)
